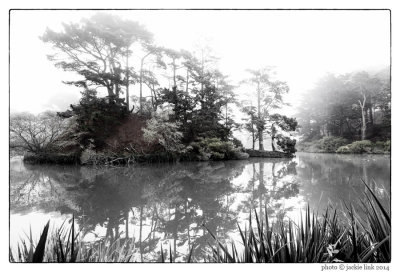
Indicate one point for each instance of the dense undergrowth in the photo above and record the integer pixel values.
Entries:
(344, 146)
(363, 236)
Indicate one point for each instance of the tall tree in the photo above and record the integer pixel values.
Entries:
(353, 106)
(250, 121)
(365, 86)
(269, 95)
(148, 77)
(96, 49)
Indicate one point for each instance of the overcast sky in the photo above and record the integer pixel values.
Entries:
(303, 45)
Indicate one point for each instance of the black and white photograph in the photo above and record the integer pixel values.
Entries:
(179, 135)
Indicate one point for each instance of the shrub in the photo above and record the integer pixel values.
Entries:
(324, 145)
(357, 147)
(216, 149)
(287, 144)
(236, 142)
(331, 144)
(164, 133)
(387, 146)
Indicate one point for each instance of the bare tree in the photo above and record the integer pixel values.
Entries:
(35, 133)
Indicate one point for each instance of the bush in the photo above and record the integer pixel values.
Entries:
(324, 145)
(387, 146)
(357, 147)
(164, 133)
(331, 144)
(286, 144)
(215, 149)
(236, 142)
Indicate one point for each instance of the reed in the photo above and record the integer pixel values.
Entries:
(358, 237)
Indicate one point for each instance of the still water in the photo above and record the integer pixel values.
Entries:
(167, 204)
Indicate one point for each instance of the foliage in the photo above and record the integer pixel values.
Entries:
(357, 147)
(206, 119)
(251, 122)
(346, 105)
(331, 144)
(215, 149)
(269, 95)
(287, 144)
(96, 49)
(36, 133)
(357, 238)
(237, 143)
(280, 128)
(316, 239)
(341, 145)
(387, 145)
(96, 118)
(160, 130)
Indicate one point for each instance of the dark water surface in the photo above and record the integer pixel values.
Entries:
(168, 203)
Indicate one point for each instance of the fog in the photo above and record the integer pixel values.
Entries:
(302, 45)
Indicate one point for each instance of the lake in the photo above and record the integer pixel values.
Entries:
(167, 204)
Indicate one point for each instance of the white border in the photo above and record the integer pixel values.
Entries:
(4, 106)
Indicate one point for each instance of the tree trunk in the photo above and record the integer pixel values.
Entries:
(127, 224)
(273, 134)
(127, 83)
(140, 234)
(202, 70)
(226, 115)
(140, 86)
(260, 140)
(259, 128)
(371, 115)
(174, 72)
(364, 124)
(187, 80)
(261, 185)
(188, 224)
(253, 136)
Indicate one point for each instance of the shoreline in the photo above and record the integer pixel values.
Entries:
(73, 159)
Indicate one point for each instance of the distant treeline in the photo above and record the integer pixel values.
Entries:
(354, 106)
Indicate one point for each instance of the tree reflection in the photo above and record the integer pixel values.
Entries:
(164, 204)
(271, 181)
(330, 179)
(167, 204)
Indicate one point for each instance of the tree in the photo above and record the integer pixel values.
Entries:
(365, 86)
(96, 49)
(228, 98)
(96, 118)
(206, 118)
(269, 96)
(148, 77)
(35, 133)
(352, 106)
(250, 122)
(280, 126)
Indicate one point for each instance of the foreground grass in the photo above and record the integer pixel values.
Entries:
(359, 237)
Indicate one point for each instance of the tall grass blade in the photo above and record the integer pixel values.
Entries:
(40, 248)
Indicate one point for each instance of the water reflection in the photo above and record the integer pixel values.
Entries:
(168, 203)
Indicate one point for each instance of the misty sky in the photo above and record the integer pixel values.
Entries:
(303, 45)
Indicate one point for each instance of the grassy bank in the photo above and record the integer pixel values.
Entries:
(363, 236)
(344, 146)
